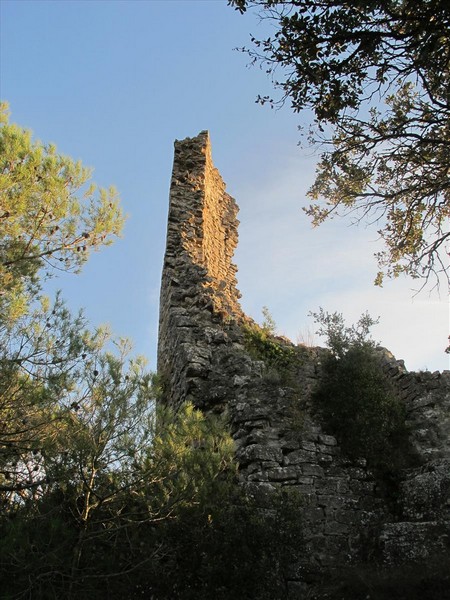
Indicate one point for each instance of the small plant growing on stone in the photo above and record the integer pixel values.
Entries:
(268, 325)
(262, 344)
(306, 337)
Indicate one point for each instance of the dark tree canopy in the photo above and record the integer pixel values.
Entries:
(376, 76)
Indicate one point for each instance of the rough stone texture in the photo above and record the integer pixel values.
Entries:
(198, 289)
(203, 358)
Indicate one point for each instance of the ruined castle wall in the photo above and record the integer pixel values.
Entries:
(198, 286)
(203, 357)
(421, 532)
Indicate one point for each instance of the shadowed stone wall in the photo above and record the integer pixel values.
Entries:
(203, 357)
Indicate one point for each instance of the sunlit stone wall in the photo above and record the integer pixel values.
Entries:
(198, 289)
(202, 357)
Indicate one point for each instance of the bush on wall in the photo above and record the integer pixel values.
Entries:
(356, 400)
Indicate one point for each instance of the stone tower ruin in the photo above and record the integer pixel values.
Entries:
(203, 358)
(198, 289)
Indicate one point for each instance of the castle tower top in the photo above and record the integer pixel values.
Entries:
(199, 286)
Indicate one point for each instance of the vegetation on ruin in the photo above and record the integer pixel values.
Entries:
(279, 355)
(375, 78)
(263, 346)
(356, 400)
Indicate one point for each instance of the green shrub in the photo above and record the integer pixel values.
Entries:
(355, 398)
(262, 345)
(360, 406)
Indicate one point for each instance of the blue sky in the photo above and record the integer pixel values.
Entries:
(114, 84)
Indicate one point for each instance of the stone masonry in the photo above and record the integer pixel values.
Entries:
(198, 289)
(203, 358)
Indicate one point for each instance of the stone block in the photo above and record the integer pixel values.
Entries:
(260, 452)
(309, 446)
(327, 440)
(298, 457)
(328, 449)
(282, 474)
(312, 469)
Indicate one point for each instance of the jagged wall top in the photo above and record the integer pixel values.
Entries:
(202, 221)
(199, 278)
